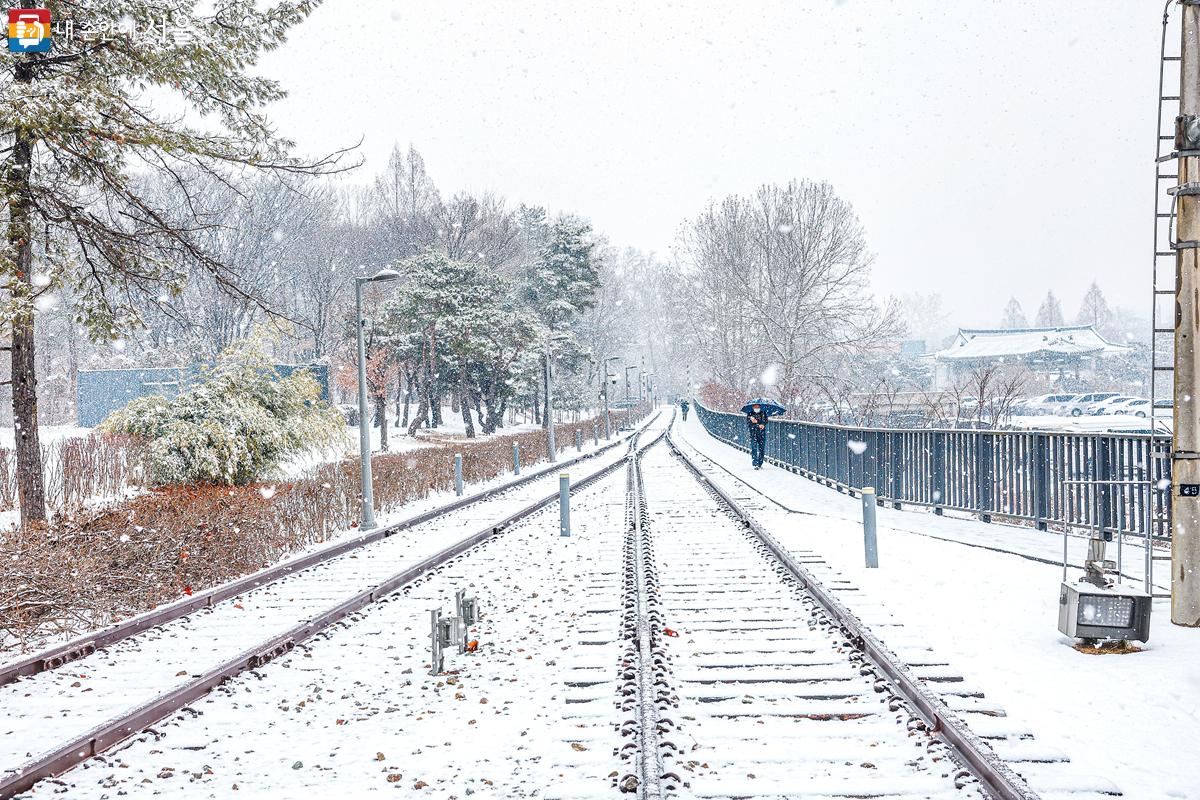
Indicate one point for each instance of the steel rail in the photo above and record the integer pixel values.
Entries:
(644, 633)
(996, 778)
(109, 734)
(86, 644)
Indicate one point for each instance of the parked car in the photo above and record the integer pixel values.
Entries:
(1138, 407)
(1082, 404)
(1109, 406)
(1045, 404)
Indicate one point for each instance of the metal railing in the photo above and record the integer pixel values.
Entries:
(1033, 476)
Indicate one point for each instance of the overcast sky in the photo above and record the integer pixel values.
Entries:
(990, 148)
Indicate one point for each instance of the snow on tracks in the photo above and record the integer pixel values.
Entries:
(355, 711)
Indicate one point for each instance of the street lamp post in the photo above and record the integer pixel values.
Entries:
(364, 427)
(634, 366)
(607, 432)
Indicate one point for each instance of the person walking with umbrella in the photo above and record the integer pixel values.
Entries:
(683, 405)
(757, 412)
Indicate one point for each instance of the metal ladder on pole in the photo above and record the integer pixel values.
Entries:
(1162, 310)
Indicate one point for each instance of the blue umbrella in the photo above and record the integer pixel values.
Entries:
(770, 407)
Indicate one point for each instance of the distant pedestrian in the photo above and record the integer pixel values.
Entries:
(756, 422)
(683, 404)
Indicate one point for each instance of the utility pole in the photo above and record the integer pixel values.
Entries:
(549, 412)
(1185, 448)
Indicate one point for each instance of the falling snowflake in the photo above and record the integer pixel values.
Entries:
(857, 447)
(267, 492)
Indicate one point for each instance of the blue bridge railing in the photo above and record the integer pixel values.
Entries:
(1110, 481)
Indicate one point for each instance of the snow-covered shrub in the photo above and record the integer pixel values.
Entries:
(237, 423)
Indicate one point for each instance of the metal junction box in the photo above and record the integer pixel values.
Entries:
(1086, 611)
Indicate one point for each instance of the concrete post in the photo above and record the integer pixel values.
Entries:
(578, 440)
(516, 458)
(1185, 455)
(458, 482)
(564, 504)
(869, 543)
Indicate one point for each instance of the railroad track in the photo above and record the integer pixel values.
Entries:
(774, 696)
(74, 712)
(81, 646)
(579, 688)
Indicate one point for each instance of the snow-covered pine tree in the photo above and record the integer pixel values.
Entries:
(159, 86)
(560, 283)
(459, 316)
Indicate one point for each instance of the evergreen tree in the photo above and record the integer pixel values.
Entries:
(560, 284)
(81, 123)
(1014, 315)
(1050, 313)
(460, 316)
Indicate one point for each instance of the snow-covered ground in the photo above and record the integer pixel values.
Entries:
(451, 431)
(984, 597)
(47, 434)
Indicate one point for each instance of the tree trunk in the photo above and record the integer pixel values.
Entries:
(477, 401)
(488, 398)
(381, 420)
(537, 408)
(31, 490)
(545, 395)
(464, 401)
(422, 402)
(409, 380)
(400, 395)
(73, 371)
